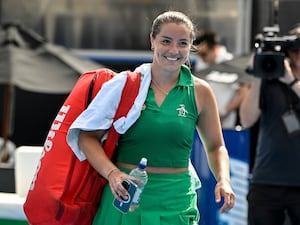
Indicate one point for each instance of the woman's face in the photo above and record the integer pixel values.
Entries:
(171, 46)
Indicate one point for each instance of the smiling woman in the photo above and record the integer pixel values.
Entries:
(170, 105)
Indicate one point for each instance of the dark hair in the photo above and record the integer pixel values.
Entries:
(208, 37)
(172, 17)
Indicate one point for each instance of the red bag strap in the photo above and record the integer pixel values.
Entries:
(129, 93)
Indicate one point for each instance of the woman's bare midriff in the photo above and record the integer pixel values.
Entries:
(158, 170)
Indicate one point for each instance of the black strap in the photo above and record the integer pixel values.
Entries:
(293, 82)
(92, 84)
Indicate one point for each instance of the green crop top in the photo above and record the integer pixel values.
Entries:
(164, 135)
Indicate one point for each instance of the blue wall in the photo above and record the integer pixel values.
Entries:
(237, 143)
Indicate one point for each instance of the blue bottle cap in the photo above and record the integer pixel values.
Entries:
(143, 163)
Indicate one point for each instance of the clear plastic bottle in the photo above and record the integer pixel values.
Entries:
(141, 174)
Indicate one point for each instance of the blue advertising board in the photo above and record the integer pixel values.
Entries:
(238, 145)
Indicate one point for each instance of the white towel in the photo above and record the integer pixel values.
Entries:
(99, 114)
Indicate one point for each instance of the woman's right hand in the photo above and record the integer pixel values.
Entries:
(115, 179)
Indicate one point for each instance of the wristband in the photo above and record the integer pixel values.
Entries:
(293, 82)
(110, 172)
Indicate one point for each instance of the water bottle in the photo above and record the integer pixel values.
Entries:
(140, 173)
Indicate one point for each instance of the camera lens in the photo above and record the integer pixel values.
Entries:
(269, 64)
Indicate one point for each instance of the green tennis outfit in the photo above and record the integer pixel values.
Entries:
(164, 135)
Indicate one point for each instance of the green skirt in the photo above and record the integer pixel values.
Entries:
(166, 199)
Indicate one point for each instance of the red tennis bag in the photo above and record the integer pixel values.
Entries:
(64, 190)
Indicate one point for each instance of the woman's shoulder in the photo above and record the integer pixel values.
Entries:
(201, 84)
(203, 93)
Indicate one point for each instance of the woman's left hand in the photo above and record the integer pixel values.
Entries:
(223, 189)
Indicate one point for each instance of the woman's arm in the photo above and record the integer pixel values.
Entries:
(89, 143)
(210, 131)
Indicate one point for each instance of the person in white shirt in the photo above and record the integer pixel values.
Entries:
(210, 50)
(229, 94)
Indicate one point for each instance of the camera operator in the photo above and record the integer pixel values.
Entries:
(275, 184)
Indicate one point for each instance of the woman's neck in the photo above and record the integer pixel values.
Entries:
(163, 76)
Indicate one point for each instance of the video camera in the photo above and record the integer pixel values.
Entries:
(270, 52)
